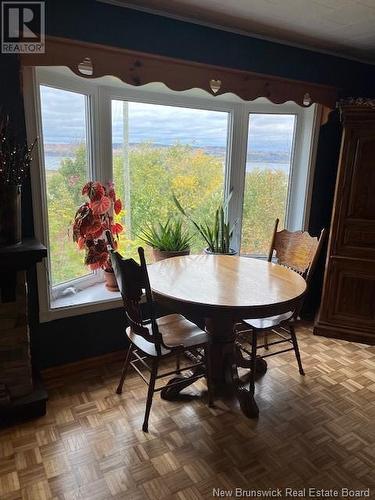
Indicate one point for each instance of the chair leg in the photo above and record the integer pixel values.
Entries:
(125, 369)
(150, 393)
(254, 341)
(178, 363)
(266, 339)
(296, 348)
(207, 355)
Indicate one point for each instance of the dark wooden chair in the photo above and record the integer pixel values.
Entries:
(298, 251)
(154, 339)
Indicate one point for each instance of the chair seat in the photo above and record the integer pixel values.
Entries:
(270, 322)
(175, 330)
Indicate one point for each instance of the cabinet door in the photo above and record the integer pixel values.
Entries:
(355, 203)
(350, 295)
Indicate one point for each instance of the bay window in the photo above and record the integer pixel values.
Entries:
(158, 150)
(153, 142)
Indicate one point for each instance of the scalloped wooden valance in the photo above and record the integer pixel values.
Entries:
(137, 68)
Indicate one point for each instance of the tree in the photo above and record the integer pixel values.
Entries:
(195, 176)
(63, 198)
(265, 199)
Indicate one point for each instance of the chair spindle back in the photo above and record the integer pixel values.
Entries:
(296, 250)
(132, 279)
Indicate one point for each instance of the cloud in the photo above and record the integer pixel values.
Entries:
(63, 116)
(64, 121)
(271, 132)
(168, 124)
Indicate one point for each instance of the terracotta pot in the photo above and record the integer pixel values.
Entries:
(231, 252)
(110, 281)
(10, 215)
(165, 254)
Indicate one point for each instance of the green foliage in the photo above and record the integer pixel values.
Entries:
(63, 198)
(218, 234)
(265, 199)
(171, 236)
(196, 178)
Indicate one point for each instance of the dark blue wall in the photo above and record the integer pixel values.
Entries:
(98, 22)
(87, 20)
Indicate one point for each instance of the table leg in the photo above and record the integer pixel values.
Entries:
(242, 362)
(225, 356)
(225, 375)
(224, 369)
(171, 391)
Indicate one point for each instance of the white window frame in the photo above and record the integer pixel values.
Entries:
(100, 122)
(90, 278)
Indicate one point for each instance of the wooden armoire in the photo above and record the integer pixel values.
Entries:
(347, 308)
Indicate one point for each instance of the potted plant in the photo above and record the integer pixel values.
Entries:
(92, 219)
(15, 160)
(216, 233)
(167, 240)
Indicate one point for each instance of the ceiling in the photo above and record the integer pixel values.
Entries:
(343, 27)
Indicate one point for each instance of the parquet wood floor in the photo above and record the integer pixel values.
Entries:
(315, 431)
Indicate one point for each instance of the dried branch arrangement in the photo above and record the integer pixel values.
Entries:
(15, 157)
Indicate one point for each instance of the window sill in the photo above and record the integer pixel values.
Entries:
(94, 293)
(94, 298)
(254, 256)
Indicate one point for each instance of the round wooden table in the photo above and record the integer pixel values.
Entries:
(221, 290)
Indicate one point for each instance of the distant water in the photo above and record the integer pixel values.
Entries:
(252, 165)
(53, 162)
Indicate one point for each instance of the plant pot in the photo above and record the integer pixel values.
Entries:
(10, 215)
(110, 281)
(231, 252)
(166, 254)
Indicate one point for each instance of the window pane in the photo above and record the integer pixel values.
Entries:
(158, 150)
(65, 159)
(268, 164)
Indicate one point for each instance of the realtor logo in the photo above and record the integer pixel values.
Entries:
(22, 27)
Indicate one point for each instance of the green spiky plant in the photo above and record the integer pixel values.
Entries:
(218, 234)
(169, 237)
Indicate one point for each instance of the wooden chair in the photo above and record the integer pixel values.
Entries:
(152, 339)
(298, 251)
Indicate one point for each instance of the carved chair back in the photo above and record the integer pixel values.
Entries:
(133, 282)
(296, 250)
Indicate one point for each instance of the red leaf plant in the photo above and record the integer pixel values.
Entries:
(92, 219)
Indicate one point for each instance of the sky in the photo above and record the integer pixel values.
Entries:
(63, 120)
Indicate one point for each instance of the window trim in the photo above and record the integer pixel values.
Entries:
(101, 94)
(90, 95)
(90, 278)
(107, 94)
(291, 191)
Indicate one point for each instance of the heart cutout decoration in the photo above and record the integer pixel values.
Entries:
(215, 85)
(86, 67)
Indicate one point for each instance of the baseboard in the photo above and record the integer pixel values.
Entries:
(84, 364)
(338, 332)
